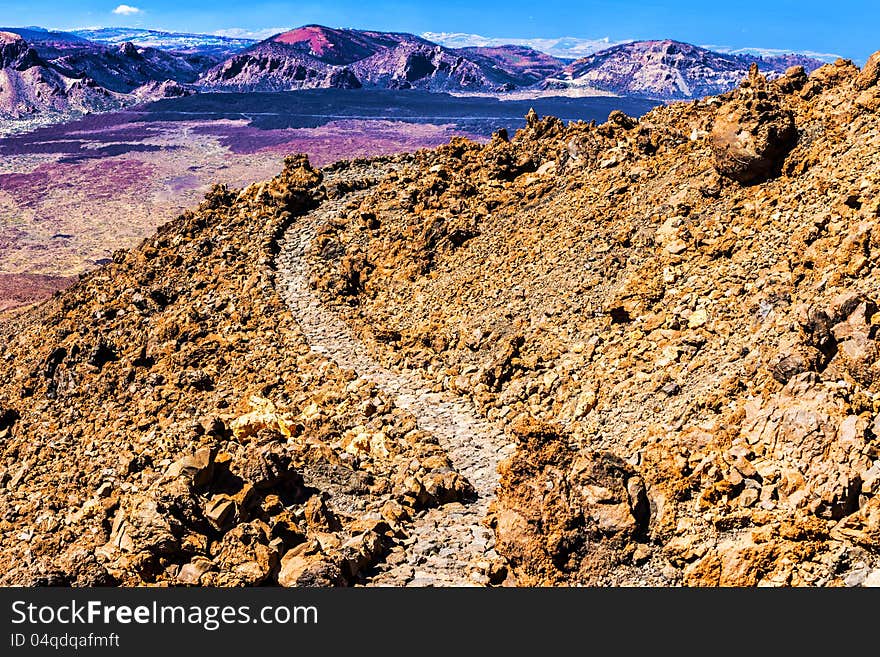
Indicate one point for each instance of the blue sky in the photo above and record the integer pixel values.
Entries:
(846, 27)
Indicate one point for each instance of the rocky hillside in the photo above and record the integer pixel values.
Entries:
(272, 66)
(60, 77)
(675, 316)
(525, 66)
(672, 317)
(320, 57)
(668, 70)
(176, 428)
(29, 84)
(126, 67)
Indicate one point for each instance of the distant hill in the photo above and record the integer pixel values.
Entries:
(668, 70)
(125, 67)
(39, 35)
(30, 85)
(524, 64)
(314, 56)
(568, 48)
(49, 44)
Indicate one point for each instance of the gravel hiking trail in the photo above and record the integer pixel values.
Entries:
(449, 545)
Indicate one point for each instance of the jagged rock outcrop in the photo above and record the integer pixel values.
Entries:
(15, 52)
(166, 89)
(870, 73)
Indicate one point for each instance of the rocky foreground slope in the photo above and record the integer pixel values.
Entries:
(676, 316)
(673, 317)
(174, 426)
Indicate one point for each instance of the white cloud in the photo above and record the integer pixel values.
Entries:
(259, 35)
(127, 10)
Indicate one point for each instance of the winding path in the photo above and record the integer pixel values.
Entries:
(446, 543)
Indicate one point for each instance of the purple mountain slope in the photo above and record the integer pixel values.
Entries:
(668, 70)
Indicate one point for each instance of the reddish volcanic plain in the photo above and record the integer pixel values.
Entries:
(72, 194)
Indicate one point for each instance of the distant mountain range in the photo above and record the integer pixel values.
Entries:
(202, 44)
(572, 48)
(667, 70)
(99, 69)
(314, 57)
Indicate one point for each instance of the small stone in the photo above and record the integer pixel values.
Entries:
(220, 511)
(191, 572)
(641, 554)
(480, 578)
(698, 318)
(677, 246)
(394, 513)
(873, 579)
(670, 572)
(104, 489)
(308, 570)
(749, 497)
(199, 467)
(547, 168)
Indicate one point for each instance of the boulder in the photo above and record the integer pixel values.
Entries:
(145, 527)
(752, 134)
(299, 568)
(561, 512)
(793, 80)
(8, 417)
(244, 556)
(266, 467)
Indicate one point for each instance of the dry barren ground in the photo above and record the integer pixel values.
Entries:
(71, 195)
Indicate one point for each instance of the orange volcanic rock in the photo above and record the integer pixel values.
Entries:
(683, 350)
